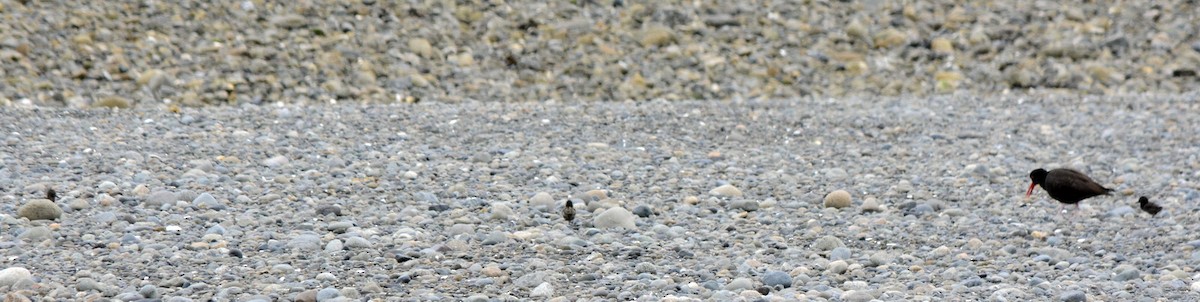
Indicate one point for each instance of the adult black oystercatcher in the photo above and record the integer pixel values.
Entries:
(1148, 206)
(1066, 185)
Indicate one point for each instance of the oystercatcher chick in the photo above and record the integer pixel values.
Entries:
(1066, 185)
(1150, 207)
(568, 211)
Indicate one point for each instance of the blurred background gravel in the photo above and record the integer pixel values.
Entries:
(129, 53)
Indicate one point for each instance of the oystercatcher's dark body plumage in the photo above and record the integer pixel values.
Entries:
(1148, 206)
(1066, 185)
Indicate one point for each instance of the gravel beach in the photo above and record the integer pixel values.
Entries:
(131, 53)
(320, 150)
(675, 201)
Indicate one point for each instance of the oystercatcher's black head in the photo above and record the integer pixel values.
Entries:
(1038, 177)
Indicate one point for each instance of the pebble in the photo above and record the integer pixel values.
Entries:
(305, 242)
(826, 243)
(1073, 296)
(837, 199)
(542, 201)
(328, 293)
(739, 284)
(871, 204)
(1126, 272)
(159, 198)
(207, 201)
(40, 209)
(745, 205)
(35, 234)
(544, 290)
(838, 266)
(615, 217)
(642, 211)
(839, 253)
(777, 278)
(726, 191)
(14, 275)
(501, 211)
(857, 296)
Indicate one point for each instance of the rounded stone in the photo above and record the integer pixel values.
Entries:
(837, 199)
(777, 278)
(542, 201)
(14, 275)
(614, 217)
(40, 209)
(726, 191)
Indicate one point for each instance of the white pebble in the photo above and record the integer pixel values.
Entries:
(615, 217)
(544, 290)
(14, 275)
(542, 201)
(501, 211)
(726, 191)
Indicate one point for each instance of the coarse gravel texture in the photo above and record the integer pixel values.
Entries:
(432, 201)
(129, 53)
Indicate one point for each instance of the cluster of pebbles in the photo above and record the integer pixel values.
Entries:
(121, 54)
(895, 199)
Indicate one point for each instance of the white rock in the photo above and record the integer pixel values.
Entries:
(544, 290)
(871, 204)
(541, 201)
(14, 275)
(615, 217)
(726, 191)
(276, 161)
(501, 211)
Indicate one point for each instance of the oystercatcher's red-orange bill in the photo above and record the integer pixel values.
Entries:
(1030, 191)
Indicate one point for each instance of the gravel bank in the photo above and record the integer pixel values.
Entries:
(727, 199)
(104, 53)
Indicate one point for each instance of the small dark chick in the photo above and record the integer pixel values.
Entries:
(568, 211)
(1148, 206)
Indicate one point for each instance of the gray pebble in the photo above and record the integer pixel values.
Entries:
(215, 229)
(88, 284)
(1126, 273)
(1073, 296)
(329, 210)
(826, 243)
(328, 293)
(207, 201)
(777, 278)
(745, 205)
(839, 253)
(305, 242)
(477, 298)
(642, 211)
(355, 242)
(739, 284)
(494, 238)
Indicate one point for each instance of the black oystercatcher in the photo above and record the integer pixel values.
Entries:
(568, 211)
(51, 195)
(1066, 185)
(1148, 206)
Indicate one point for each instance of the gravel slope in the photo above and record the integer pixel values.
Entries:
(104, 53)
(432, 201)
